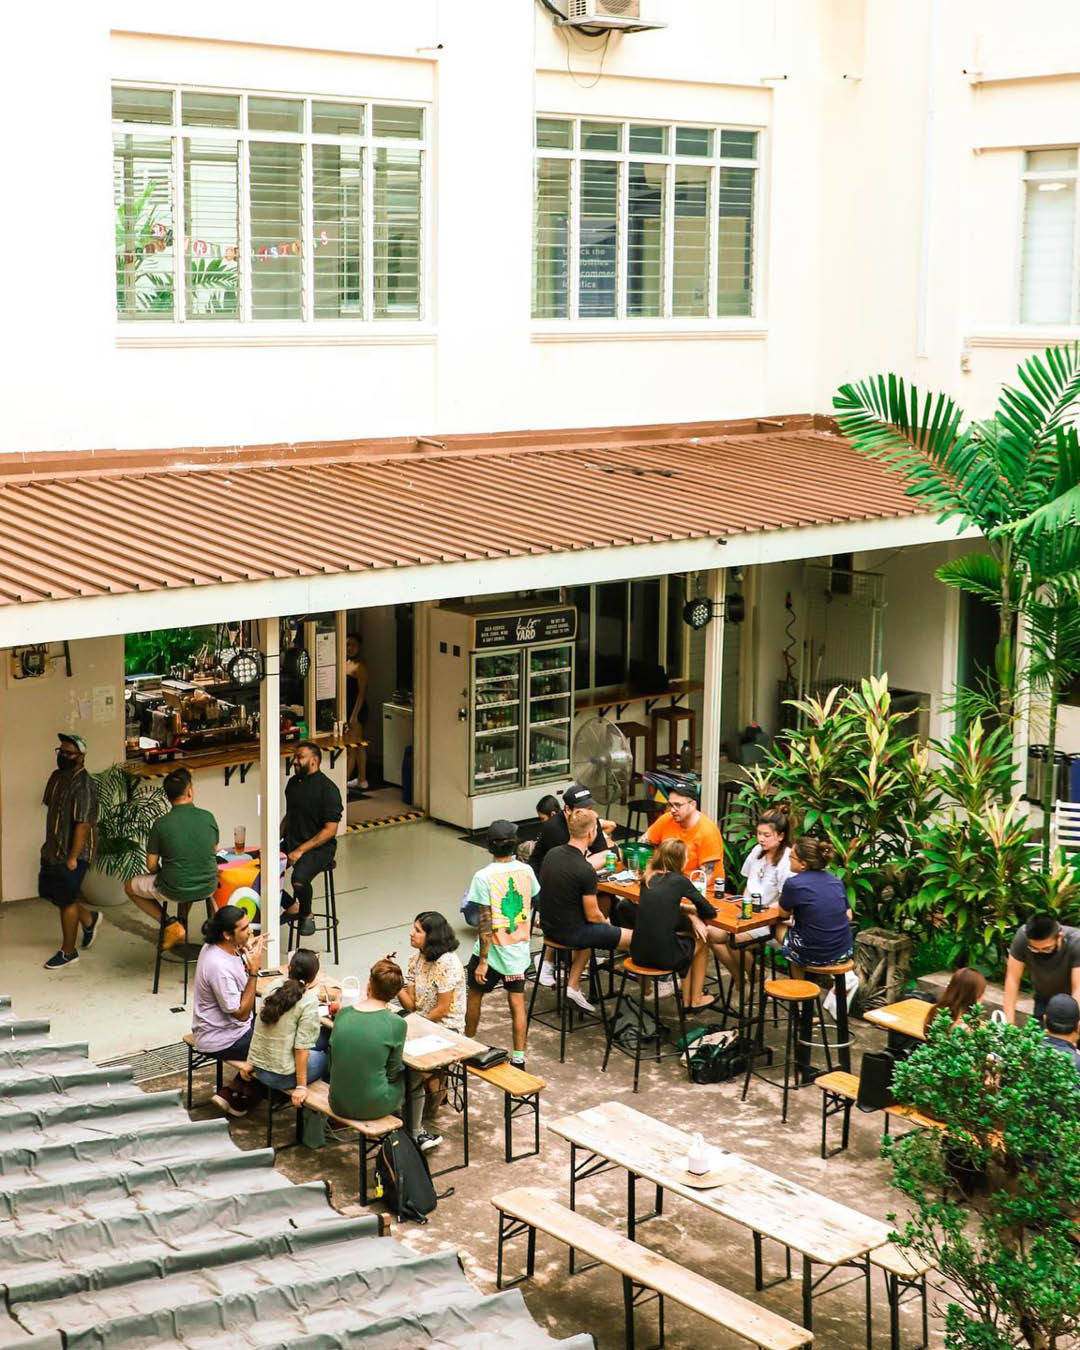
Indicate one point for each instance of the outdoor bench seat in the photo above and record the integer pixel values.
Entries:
(369, 1133)
(840, 1091)
(521, 1096)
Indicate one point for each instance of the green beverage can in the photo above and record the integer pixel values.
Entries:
(747, 907)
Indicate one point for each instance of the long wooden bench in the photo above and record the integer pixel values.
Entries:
(521, 1096)
(369, 1133)
(196, 1059)
(905, 1277)
(643, 1272)
(840, 1092)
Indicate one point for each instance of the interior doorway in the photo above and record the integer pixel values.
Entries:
(380, 785)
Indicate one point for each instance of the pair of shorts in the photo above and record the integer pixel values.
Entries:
(515, 984)
(60, 884)
(145, 887)
(604, 935)
(794, 950)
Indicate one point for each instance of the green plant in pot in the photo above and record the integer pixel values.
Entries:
(127, 808)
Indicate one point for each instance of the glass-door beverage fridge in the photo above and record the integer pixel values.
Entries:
(502, 709)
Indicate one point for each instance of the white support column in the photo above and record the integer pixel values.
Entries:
(714, 683)
(270, 784)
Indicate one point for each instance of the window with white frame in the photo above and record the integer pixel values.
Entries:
(643, 220)
(1049, 280)
(234, 206)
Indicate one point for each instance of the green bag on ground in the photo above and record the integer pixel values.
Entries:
(313, 1128)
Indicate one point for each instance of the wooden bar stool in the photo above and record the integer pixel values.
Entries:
(560, 959)
(634, 732)
(672, 718)
(630, 969)
(801, 998)
(844, 1040)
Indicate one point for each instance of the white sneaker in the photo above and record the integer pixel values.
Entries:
(576, 996)
(665, 989)
(547, 975)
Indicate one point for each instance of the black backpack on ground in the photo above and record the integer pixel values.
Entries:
(625, 1030)
(402, 1171)
(719, 1059)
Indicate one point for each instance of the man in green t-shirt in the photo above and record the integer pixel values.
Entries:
(180, 859)
(503, 893)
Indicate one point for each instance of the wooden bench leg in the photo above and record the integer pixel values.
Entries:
(895, 1288)
(592, 1166)
(190, 1073)
(510, 1227)
(516, 1106)
(634, 1295)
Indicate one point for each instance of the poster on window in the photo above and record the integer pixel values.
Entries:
(597, 269)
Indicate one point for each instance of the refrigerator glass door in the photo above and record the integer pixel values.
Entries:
(496, 722)
(551, 711)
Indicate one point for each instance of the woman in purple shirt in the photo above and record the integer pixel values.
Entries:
(222, 1013)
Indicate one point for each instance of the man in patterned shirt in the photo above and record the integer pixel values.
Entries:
(503, 893)
(72, 801)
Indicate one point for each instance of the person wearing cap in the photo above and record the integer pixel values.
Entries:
(502, 893)
(1050, 953)
(1062, 1023)
(71, 802)
(683, 821)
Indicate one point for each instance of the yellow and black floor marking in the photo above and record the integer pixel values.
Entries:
(403, 819)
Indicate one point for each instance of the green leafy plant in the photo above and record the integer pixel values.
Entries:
(157, 651)
(138, 286)
(993, 1194)
(127, 808)
(212, 286)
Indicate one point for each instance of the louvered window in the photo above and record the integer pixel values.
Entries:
(292, 209)
(643, 220)
(1048, 259)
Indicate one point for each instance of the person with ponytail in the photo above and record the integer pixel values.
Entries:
(223, 1001)
(288, 1046)
(817, 905)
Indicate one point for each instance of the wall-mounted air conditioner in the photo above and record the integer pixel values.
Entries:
(620, 15)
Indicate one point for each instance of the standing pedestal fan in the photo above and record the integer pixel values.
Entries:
(603, 761)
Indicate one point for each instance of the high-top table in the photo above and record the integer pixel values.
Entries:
(906, 1018)
(823, 1231)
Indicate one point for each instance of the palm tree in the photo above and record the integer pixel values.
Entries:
(994, 475)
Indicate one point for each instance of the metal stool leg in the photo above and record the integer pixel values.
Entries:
(640, 1029)
(614, 1021)
(160, 949)
(682, 1026)
(331, 909)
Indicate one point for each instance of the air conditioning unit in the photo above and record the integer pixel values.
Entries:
(621, 15)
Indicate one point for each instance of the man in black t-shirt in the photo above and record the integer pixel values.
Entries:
(313, 811)
(571, 913)
(556, 832)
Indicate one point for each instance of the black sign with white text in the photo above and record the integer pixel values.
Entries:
(524, 630)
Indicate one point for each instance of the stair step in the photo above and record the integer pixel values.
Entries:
(153, 1136)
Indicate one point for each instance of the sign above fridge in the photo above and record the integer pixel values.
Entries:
(524, 628)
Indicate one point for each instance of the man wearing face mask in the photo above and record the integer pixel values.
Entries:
(1050, 953)
(71, 800)
(313, 811)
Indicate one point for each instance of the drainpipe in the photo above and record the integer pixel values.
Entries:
(923, 322)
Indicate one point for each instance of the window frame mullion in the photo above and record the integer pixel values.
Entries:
(667, 304)
(622, 237)
(575, 238)
(180, 239)
(307, 218)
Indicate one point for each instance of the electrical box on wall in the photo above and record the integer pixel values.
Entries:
(36, 662)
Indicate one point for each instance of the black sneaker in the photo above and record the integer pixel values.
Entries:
(517, 1063)
(307, 927)
(59, 961)
(426, 1141)
(89, 932)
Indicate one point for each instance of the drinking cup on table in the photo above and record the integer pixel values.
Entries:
(239, 838)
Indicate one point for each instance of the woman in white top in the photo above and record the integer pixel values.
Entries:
(766, 867)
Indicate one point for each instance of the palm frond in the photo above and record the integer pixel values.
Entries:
(1031, 417)
(1063, 510)
(975, 573)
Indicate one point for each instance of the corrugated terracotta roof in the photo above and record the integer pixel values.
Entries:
(78, 526)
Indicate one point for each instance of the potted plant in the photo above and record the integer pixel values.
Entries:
(127, 808)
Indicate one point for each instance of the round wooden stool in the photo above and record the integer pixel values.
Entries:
(844, 1040)
(561, 956)
(641, 974)
(801, 998)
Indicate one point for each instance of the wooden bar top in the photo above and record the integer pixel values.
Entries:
(619, 695)
(240, 752)
(728, 916)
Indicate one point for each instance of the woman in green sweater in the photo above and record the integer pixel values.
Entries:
(366, 1071)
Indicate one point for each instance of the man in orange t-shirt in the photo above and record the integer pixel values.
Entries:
(683, 820)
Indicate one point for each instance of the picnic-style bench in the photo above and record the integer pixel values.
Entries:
(905, 1277)
(369, 1133)
(521, 1096)
(644, 1272)
(196, 1059)
(840, 1092)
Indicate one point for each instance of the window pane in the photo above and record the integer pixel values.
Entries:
(397, 234)
(1049, 161)
(648, 140)
(598, 248)
(337, 185)
(142, 105)
(210, 110)
(693, 141)
(676, 629)
(142, 195)
(690, 262)
(211, 229)
(275, 114)
(645, 621)
(551, 240)
(601, 135)
(611, 633)
(1046, 262)
(337, 119)
(554, 134)
(277, 265)
(738, 144)
(645, 241)
(403, 123)
(734, 280)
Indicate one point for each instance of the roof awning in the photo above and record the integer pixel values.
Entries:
(154, 539)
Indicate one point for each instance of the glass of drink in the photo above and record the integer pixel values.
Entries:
(239, 838)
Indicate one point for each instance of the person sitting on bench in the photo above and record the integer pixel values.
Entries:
(366, 1067)
(435, 990)
(289, 1044)
(224, 998)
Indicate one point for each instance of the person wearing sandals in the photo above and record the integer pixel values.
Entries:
(667, 938)
(434, 988)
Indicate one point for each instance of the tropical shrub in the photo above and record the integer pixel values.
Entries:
(127, 808)
(993, 1195)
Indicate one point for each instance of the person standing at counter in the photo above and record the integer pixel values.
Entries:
(71, 798)
(683, 821)
(313, 811)
(180, 858)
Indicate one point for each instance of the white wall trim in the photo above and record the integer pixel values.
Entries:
(136, 611)
(156, 341)
(577, 334)
(1024, 339)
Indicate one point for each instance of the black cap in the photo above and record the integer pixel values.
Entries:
(501, 832)
(1062, 1013)
(576, 795)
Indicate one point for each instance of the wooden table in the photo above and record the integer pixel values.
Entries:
(230, 757)
(824, 1232)
(906, 1018)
